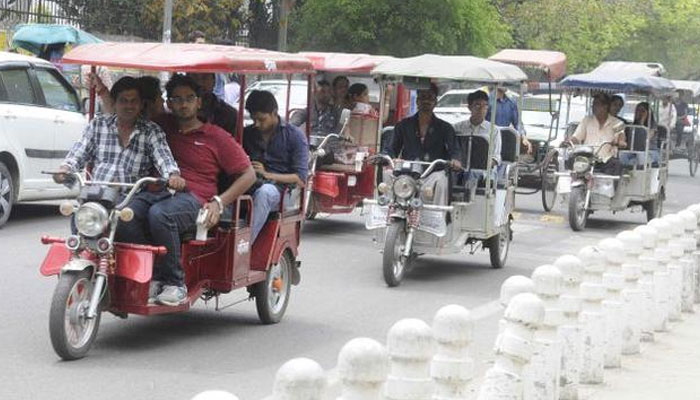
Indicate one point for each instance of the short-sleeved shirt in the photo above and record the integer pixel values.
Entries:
(590, 132)
(483, 130)
(202, 154)
(100, 147)
(287, 152)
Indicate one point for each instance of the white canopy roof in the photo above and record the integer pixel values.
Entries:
(691, 87)
(455, 68)
(630, 67)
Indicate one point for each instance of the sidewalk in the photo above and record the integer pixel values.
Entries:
(669, 368)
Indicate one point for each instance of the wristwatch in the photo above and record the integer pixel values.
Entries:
(220, 203)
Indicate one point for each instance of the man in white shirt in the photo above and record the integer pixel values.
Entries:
(667, 114)
(600, 128)
(477, 125)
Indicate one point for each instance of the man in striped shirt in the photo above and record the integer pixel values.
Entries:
(123, 147)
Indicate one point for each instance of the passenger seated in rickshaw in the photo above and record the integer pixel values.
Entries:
(617, 102)
(202, 151)
(325, 119)
(279, 153)
(477, 125)
(425, 137)
(214, 110)
(636, 138)
(340, 91)
(358, 97)
(603, 131)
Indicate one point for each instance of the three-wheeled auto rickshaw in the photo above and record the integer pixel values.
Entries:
(537, 170)
(339, 185)
(97, 274)
(688, 145)
(644, 163)
(480, 197)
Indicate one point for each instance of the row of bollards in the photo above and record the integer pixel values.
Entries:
(561, 328)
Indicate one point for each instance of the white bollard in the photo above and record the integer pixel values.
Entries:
(646, 283)
(215, 395)
(513, 348)
(614, 282)
(632, 294)
(695, 209)
(299, 379)
(591, 317)
(363, 366)
(675, 268)
(452, 368)
(541, 378)
(689, 262)
(570, 332)
(411, 346)
(662, 285)
(511, 287)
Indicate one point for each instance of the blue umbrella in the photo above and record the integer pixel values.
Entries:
(33, 37)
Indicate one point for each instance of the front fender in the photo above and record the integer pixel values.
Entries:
(59, 259)
(78, 265)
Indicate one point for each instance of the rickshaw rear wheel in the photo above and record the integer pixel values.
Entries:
(499, 245)
(549, 181)
(693, 158)
(72, 333)
(577, 209)
(394, 264)
(654, 208)
(272, 294)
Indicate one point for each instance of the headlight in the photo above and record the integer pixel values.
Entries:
(404, 187)
(91, 219)
(581, 164)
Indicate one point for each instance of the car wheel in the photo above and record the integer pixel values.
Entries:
(7, 194)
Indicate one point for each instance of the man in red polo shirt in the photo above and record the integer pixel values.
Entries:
(202, 151)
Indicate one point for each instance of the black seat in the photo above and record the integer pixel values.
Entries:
(475, 151)
(636, 138)
(509, 144)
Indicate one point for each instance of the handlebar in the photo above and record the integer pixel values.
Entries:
(135, 187)
(384, 157)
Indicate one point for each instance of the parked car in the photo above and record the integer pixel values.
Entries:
(41, 118)
(452, 106)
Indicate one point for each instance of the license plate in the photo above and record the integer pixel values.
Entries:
(376, 217)
(564, 185)
(433, 222)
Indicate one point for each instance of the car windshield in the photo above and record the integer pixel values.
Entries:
(453, 100)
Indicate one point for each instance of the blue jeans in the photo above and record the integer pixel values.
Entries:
(159, 219)
(265, 200)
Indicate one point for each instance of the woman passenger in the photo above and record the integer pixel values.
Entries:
(358, 95)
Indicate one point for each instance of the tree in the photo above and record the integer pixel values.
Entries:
(399, 27)
(217, 19)
(670, 36)
(586, 31)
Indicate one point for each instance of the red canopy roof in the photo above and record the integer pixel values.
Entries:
(187, 57)
(553, 63)
(344, 62)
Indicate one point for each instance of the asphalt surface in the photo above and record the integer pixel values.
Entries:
(342, 296)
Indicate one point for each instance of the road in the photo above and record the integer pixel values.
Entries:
(342, 296)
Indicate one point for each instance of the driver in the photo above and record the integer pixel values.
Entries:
(601, 130)
(425, 137)
(325, 116)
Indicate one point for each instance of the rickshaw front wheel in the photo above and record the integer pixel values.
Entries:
(72, 333)
(272, 294)
(394, 263)
(549, 180)
(577, 209)
(693, 157)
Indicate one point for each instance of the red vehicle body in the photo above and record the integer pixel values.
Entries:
(225, 260)
(341, 187)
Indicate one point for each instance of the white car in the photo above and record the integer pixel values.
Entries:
(452, 106)
(41, 118)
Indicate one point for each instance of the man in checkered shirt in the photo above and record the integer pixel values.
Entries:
(123, 147)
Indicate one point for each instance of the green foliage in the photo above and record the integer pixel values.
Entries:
(670, 36)
(586, 31)
(399, 27)
(217, 19)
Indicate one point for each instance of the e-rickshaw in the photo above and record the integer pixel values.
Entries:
(340, 186)
(644, 162)
(480, 197)
(97, 274)
(544, 69)
(689, 148)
